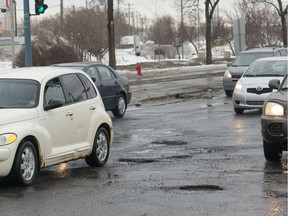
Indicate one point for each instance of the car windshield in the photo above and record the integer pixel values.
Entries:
(18, 93)
(284, 85)
(267, 68)
(245, 59)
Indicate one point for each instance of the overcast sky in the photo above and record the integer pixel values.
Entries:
(147, 8)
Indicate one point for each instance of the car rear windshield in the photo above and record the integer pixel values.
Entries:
(18, 93)
(245, 59)
(271, 68)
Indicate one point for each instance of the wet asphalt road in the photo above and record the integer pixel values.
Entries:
(170, 157)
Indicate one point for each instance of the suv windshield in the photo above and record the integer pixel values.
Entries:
(267, 68)
(245, 59)
(284, 85)
(17, 93)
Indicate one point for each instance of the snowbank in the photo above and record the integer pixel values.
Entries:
(126, 57)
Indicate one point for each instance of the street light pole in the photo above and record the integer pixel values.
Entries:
(182, 28)
(28, 50)
(12, 31)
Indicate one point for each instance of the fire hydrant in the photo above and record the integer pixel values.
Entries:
(138, 69)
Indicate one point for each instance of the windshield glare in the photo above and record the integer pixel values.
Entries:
(267, 68)
(245, 59)
(16, 93)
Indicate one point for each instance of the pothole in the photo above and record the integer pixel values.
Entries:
(201, 188)
(137, 160)
(178, 157)
(169, 142)
(208, 188)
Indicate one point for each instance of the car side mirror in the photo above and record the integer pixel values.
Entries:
(54, 103)
(229, 64)
(93, 79)
(274, 84)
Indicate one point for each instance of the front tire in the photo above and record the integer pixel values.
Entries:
(100, 151)
(228, 93)
(272, 151)
(238, 111)
(25, 166)
(120, 109)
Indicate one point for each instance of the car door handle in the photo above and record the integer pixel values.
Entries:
(116, 82)
(92, 108)
(69, 114)
(101, 85)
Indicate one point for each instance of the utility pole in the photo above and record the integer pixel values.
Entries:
(129, 19)
(111, 35)
(12, 31)
(182, 28)
(61, 11)
(129, 16)
(198, 20)
(28, 49)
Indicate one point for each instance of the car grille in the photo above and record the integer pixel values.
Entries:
(255, 91)
(254, 102)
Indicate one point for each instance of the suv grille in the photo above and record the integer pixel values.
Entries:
(275, 129)
(236, 75)
(255, 91)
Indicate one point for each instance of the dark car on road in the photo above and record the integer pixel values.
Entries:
(113, 87)
(274, 121)
(243, 60)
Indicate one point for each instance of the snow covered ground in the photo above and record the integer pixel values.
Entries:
(124, 57)
(4, 65)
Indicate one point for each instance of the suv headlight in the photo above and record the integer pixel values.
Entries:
(274, 109)
(227, 74)
(8, 138)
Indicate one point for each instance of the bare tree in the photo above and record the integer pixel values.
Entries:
(86, 30)
(222, 34)
(282, 12)
(189, 29)
(120, 25)
(209, 16)
(262, 21)
(164, 32)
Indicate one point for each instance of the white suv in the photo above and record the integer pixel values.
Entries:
(49, 116)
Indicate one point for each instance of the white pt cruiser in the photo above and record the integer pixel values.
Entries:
(49, 116)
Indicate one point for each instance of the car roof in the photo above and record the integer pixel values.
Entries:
(79, 64)
(37, 73)
(262, 49)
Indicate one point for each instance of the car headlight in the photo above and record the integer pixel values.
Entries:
(238, 85)
(274, 109)
(227, 74)
(8, 138)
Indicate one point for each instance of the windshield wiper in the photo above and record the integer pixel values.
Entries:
(276, 75)
(249, 75)
(239, 65)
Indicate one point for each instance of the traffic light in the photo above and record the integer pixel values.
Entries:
(40, 7)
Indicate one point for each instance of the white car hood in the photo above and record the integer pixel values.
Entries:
(254, 82)
(8, 116)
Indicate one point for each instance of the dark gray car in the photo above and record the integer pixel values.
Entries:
(113, 87)
(274, 121)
